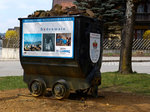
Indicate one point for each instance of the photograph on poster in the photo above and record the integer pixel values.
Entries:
(63, 39)
(32, 42)
(49, 42)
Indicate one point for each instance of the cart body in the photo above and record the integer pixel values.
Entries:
(56, 48)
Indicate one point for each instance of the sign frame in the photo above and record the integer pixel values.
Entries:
(66, 51)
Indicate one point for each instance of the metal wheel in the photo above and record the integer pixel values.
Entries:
(60, 89)
(37, 87)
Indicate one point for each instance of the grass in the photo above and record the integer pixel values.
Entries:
(111, 54)
(131, 83)
(113, 81)
(12, 82)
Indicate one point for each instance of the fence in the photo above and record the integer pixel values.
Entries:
(10, 47)
(11, 43)
(115, 44)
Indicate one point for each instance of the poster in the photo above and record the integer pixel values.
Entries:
(94, 47)
(48, 37)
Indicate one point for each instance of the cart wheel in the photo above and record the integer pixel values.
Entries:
(60, 89)
(94, 91)
(37, 87)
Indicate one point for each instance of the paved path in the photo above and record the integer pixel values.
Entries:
(139, 64)
(10, 68)
(13, 68)
(140, 67)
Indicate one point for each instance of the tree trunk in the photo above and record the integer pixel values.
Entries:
(125, 64)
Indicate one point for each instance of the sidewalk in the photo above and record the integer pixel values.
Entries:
(9, 59)
(104, 59)
(134, 59)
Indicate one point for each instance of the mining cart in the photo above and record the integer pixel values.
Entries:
(63, 54)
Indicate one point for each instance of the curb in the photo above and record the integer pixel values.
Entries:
(132, 60)
(9, 60)
(102, 60)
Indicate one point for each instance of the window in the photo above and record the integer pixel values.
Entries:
(148, 7)
(138, 34)
(143, 7)
(140, 8)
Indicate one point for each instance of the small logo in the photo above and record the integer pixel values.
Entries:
(57, 50)
(65, 51)
(95, 44)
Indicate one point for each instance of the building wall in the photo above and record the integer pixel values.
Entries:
(10, 53)
(142, 19)
(64, 3)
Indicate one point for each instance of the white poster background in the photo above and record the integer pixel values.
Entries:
(60, 25)
(94, 47)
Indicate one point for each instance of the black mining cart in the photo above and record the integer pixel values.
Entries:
(61, 53)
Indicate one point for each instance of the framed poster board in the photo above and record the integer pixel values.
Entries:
(48, 37)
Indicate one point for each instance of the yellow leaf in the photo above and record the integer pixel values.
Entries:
(146, 34)
(11, 34)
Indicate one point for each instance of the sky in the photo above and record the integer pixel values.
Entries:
(32, 37)
(11, 10)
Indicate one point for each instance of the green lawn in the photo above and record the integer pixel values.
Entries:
(12, 82)
(132, 83)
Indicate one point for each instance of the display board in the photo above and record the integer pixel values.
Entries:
(48, 37)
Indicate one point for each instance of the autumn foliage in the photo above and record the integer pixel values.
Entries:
(11, 34)
(146, 35)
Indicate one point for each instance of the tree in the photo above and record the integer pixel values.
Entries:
(109, 11)
(146, 35)
(125, 64)
(11, 39)
(11, 34)
(113, 15)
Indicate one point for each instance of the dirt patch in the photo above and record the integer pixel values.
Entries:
(21, 101)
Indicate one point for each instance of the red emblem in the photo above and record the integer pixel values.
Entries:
(95, 44)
